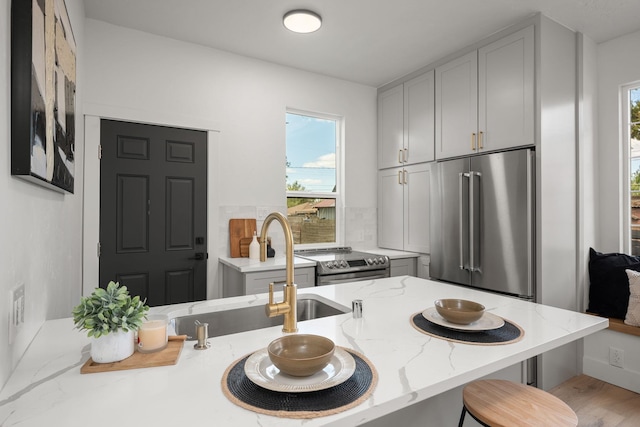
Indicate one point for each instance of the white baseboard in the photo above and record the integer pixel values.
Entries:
(620, 377)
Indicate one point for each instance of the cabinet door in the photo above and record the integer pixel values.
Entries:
(457, 106)
(403, 267)
(416, 208)
(505, 92)
(390, 208)
(419, 119)
(258, 282)
(390, 127)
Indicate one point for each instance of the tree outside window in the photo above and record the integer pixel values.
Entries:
(634, 145)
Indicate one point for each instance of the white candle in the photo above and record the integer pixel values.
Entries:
(152, 335)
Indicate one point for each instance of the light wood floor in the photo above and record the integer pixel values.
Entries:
(600, 404)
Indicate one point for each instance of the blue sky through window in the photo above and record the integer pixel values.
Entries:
(311, 152)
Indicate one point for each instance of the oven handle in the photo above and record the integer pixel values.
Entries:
(352, 279)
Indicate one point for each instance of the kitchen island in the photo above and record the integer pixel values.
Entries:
(47, 389)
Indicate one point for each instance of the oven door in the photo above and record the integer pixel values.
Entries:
(335, 279)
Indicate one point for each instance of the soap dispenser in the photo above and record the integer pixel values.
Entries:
(254, 247)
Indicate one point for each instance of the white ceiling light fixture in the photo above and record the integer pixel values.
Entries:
(302, 21)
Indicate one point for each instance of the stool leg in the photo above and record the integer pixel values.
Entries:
(464, 412)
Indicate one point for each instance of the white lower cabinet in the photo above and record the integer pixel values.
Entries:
(404, 267)
(236, 283)
(403, 208)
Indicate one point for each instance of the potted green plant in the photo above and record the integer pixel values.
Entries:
(110, 316)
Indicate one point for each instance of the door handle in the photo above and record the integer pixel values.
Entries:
(472, 217)
(461, 176)
(200, 256)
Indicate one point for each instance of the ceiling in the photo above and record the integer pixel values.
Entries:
(366, 41)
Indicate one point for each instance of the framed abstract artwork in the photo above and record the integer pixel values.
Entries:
(43, 93)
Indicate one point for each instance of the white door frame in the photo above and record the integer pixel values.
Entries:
(91, 206)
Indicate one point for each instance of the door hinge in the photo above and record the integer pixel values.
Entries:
(99, 151)
(98, 249)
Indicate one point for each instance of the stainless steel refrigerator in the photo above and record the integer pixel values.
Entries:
(482, 222)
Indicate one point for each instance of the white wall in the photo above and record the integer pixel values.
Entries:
(587, 161)
(618, 64)
(40, 230)
(556, 189)
(139, 76)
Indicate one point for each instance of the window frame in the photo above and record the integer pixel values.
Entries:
(625, 121)
(339, 193)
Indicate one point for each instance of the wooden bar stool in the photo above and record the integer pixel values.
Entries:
(500, 403)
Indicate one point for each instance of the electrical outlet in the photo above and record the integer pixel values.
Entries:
(616, 357)
(261, 213)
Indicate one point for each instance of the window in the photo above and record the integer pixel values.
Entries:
(313, 177)
(631, 105)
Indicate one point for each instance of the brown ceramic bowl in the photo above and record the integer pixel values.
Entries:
(301, 355)
(459, 311)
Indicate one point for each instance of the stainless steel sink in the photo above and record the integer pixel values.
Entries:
(243, 319)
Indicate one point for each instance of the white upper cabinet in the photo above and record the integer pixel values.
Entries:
(457, 106)
(505, 92)
(485, 99)
(390, 127)
(406, 123)
(419, 114)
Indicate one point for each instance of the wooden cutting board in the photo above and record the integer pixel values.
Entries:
(244, 246)
(240, 228)
(168, 356)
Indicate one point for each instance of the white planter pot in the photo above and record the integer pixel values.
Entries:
(113, 347)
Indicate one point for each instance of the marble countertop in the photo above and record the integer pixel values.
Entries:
(279, 262)
(391, 253)
(246, 265)
(47, 385)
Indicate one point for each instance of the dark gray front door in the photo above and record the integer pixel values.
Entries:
(153, 211)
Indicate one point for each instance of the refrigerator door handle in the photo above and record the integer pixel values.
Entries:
(472, 214)
(461, 176)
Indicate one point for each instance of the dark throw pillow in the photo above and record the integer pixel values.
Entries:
(609, 284)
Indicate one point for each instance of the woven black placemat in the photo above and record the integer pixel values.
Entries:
(300, 405)
(507, 334)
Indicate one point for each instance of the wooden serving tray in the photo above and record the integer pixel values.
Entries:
(168, 356)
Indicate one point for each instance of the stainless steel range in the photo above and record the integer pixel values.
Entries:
(342, 265)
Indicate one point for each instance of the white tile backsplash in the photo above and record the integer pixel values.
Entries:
(360, 226)
(231, 212)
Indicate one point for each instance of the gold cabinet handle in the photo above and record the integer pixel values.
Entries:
(404, 156)
(404, 173)
(400, 177)
(480, 147)
(473, 141)
(400, 155)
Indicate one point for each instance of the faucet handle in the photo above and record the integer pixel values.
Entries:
(271, 293)
(271, 285)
